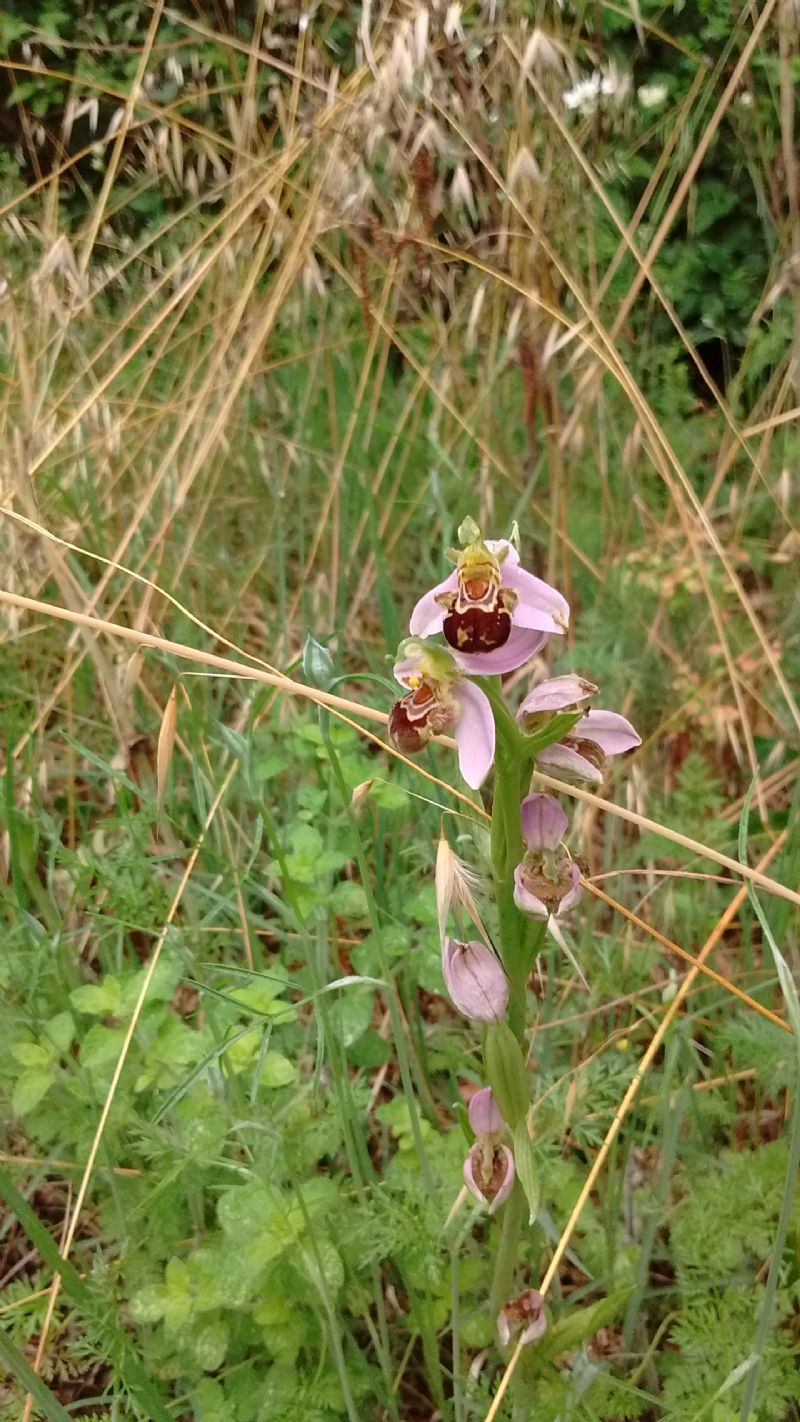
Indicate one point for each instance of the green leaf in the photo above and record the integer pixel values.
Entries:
(557, 727)
(101, 1047)
(10, 29)
(506, 1073)
(211, 1345)
(277, 1070)
(568, 1333)
(32, 1054)
(388, 796)
(31, 1382)
(29, 1090)
(130, 1369)
(73, 1284)
(324, 1266)
(369, 1051)
(97, 999)
(147, 1304)
(528, 1172)
(60, 1030)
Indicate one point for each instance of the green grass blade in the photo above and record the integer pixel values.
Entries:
(46, 1401)
(790, 997)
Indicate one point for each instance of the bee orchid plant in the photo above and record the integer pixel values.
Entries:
(489, 617)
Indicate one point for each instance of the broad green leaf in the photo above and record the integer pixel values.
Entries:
(211, 1345)
(29, 1090)
(60, 1030)
(32, 1054)
(147, 1304)
(98, 999)
(323, 1265)
(277, 1070)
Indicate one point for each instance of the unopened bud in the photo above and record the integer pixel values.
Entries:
(475, 980)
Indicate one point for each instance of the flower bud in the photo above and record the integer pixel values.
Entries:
(489, 1174)
(484, 1113)
(522, 1320)
(475, 980)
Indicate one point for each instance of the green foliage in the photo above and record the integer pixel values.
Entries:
(270, 1228)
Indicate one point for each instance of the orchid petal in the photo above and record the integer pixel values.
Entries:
(470, 1181)
(572, 895)
(525, 900)
(405, 669)
(556, 694)
(427, 616)
(473, 1184)
(544, 823)
(539, 605)
(522, 644)
(561, 757)
(610, 731)
(522, 1319)
(535, 907)
(474, 733)
(484, 1113)
(508, 1180)
(475, 980)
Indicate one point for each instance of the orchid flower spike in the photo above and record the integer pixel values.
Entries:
(583, 753)
(547, 881)
(522, 1320)
(439, 698)
(493, 613)
(475, 980)
(489, 1173)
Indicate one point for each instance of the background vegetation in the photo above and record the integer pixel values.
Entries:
(286, 294)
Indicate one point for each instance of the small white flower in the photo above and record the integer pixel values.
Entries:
(651, 96)
(583, 94)
(610, 83)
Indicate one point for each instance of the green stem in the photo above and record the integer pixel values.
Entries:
(520, 940)
(507, 1250)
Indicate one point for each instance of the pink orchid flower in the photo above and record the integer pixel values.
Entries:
(489, 1173)
(439, 699)
(583, 753)
(522, 1320)
(547, 881)
(494, 614)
